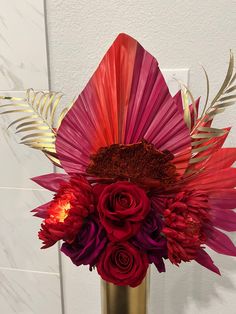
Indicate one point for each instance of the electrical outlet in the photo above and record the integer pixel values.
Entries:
(172, 76)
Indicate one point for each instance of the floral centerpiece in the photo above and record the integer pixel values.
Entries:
(146, 178)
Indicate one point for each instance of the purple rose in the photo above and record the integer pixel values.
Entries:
(88, 244)
(150, 239)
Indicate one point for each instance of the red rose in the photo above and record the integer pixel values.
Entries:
(122, 207)
(122, 264)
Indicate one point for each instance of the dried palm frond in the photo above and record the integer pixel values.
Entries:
(38, 123)
(186, 96)
(204, 137)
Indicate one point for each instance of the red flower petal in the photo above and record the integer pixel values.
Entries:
(224, 219)
(219, 242)
(223, 199)
(51, 181)
(205, 260)
(212, 180)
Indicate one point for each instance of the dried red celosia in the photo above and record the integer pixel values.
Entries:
(140, 162)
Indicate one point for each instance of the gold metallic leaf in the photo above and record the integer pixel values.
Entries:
(32, 128)
(201, 149)
(16, 111)
(34, 144)
(227, 79)
(232, 79)
(48, 103)
(211, 130)
(205, 135)
(220, 101)
(54, 107)
(212, 113)
(224, 104)
(186, 95)
(199, 142)
(13, 105)
(231, 89)
(197, 160)
(207, 93)
(187, 115)
(11, 98)
(200, 133)
(61, 117)
(30, 122)
(36, 135)
(53, 159)
(38, 145)
(38, 123)
(225, 98)
(22, 119)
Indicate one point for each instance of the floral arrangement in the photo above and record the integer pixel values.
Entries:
(146, 178)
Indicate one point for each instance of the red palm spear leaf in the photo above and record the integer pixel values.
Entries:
(126, 100)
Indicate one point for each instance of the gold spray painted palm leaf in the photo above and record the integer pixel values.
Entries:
(37, 123)
(187, 98)
(225, 97)
(204, 136)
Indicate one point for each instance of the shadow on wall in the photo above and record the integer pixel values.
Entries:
(193, 289)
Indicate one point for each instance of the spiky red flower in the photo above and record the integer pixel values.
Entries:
(184, 218)
(65, 215)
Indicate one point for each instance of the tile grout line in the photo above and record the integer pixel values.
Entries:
(12, 91)
(54, 168)
(61, 278)
(29, 271)
(18, 188)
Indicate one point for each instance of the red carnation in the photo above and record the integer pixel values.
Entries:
(66, 213)
(122, 207)
(122, 264)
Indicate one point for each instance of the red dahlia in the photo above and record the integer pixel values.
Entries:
(184, 218)
(66, 213)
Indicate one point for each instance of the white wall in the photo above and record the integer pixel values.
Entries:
(29, 277)
(180, 34)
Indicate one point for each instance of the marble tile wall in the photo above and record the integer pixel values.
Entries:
(29, 277)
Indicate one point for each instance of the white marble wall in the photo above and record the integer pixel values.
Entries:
(23, 60)
(29, 277)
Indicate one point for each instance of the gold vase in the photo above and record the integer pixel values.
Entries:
(124, 299)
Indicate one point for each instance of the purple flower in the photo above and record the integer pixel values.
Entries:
(150, 239)
(88, 244)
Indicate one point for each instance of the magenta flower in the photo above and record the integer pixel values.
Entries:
(88, 245)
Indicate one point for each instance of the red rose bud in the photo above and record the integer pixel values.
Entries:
(122, 207)
(123, 264)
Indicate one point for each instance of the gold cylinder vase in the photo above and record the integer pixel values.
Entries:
(124, 299)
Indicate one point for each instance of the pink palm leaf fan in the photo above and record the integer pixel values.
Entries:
(146, 176)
